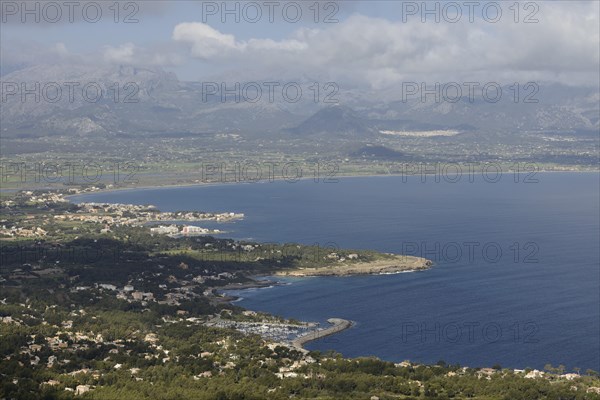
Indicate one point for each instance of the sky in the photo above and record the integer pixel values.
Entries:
(374, 44)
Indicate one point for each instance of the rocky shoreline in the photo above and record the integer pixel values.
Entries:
(397, 264)
(391, 265)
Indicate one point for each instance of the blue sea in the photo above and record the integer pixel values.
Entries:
(516, 279)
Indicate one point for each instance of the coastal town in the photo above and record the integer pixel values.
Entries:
(299, 200)
(67, 341)
(106, 216)
(96, 292)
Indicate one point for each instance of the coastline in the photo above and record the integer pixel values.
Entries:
(239, 183)
(380, 267)
(338, 325)
(277, 179)
(243, 286)
(398, 264)
(253, 284)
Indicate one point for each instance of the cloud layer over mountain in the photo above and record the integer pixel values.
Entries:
(376, 52)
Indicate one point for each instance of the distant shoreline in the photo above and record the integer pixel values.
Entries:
(277, 179)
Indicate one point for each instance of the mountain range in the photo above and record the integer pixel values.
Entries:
(148, 101)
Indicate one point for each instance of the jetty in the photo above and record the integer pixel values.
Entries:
(338, 325)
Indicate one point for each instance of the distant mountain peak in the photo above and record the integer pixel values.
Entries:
(334, 120)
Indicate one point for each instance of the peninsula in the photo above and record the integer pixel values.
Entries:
(389, 264)
(97, 305)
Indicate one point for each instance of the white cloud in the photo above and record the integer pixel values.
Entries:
(124, 54)
(564, 46)
(364, 51)
(130, 54)
(208, 43)
(205, 41)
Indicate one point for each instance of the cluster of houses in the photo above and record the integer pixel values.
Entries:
(113, 215)
(131, 214)
(15, 231)
(67, 340)
(36, 198)
(338, 258)
(187, 230)
(185, 289)
(276, 331)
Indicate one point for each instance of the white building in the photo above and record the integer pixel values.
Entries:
(165, 229)
(193, 229)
